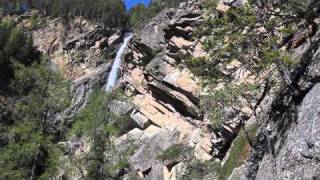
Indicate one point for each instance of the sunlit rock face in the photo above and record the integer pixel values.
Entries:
(166, 94)
(77, 46)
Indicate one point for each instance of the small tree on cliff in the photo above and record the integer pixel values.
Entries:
(98, 124)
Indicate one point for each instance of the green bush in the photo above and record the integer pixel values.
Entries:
(204, 68)
(215, 103)
(111, 13)
(140, 15)
(201, 170)
(239, 34)
(172, 153)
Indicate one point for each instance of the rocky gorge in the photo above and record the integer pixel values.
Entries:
(271, 130)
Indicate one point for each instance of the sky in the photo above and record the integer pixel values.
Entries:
(131, 3)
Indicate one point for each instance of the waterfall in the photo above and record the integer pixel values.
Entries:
(113, 76)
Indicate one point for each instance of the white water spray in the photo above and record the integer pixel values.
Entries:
(113, 76)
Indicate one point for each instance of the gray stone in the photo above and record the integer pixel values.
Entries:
(146, 156)
(140, 119)
(299, 156)
(120, 107)
(156, 172)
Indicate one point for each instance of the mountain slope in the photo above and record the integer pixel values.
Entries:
(208, 90)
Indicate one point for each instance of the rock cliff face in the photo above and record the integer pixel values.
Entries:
(288, 140)
(83, 51)
(77, 46)
(166, 94)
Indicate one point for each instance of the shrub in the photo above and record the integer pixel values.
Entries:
(172, 153)
(202, 170)
(204, 68)
(215, 103)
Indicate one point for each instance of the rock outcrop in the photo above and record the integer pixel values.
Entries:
(83, 51)
(166, 96)
(77, 46)
(297, 156)
(165, 93)
(287, 144)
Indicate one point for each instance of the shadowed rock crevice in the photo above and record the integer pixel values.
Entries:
(161, 92)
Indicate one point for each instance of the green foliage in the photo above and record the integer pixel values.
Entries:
(97, 114)
(15, 47)
(226, 41)
(138, 16)
(110, 12)
(98, 124)
(45, 93)
(215, 102)
(204, 68)
(238, 34)
(172, 153)
(31, 152)
(211, 5)
(289, 29)
(35, 21)
(201, 170)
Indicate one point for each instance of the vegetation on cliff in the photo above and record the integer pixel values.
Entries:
(257, 37)
(30, 150)
(98, 125)
(15, 47)
(240, 36)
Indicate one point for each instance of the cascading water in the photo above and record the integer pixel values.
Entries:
(113, 76)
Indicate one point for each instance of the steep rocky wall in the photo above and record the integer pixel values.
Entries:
(287, 144)
(288, 139)
(167, 97)
(83, 51)
(167, 94)
(77, 46)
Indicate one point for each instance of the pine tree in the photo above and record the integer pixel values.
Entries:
(31, 151)
(15, 46)
(99, 124)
